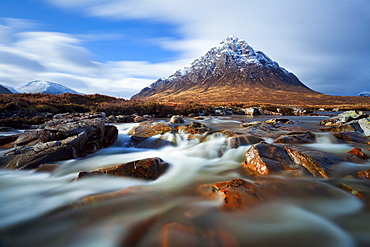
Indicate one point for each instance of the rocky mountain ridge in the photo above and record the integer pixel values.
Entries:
(233, 63)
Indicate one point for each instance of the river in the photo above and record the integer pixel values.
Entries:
(43, 209)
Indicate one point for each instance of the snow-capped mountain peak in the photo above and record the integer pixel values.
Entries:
(231, 52)
(232, 63)
(40, 86)
(364, 94)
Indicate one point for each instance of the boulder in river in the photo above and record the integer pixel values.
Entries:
(263, 158)
(148, 169)
(358, 152)
(197, 128)
(176, 119)
(297, 138)
(241, 194)
(148, 129)
(67, 136)
(342, 118)
(348, 136)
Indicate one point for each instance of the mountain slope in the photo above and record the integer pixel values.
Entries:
(40, 86)
(232, 68)
(4, 90)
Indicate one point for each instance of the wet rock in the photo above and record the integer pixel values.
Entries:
(148, 169)
(124, 119)
(297, 138)
(138, 119)
(361, 127)
(278, 121)
(249, 124)
(351, 137)
(365, 126)
(6, 129)
(8, 141)
(318, 163)
(240, 194)
(342, 118)
(111, 119)
(176, 119)
(264, 158)
(358, 152)
(67, 136)
(26, 138)
(148, 129)
(364, 174)
(197, 128)
(110, 135)
(234, 140)
(253, 111)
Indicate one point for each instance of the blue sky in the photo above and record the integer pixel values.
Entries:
(117, 47)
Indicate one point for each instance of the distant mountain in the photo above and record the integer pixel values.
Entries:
(40, 86)
(231, 71)
(364, 94)
(4, 90)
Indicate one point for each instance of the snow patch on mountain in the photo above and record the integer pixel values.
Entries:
(40, 86)
(364, 94)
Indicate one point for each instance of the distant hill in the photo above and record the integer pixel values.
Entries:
(40, 86)
(4, 90)
(231, 71)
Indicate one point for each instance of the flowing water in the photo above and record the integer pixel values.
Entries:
(43, 209)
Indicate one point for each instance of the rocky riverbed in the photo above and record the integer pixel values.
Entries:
(78, 180)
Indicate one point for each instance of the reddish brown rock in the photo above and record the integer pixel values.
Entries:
(148, 169)
(197, 128)
(318, 163)
(234, 140)
(176, 120)
(264, 158)
(364, 174)
(138, 119)
(148, 129)
(297, 138)
(240, 194)
(358, 152)
(351, 137)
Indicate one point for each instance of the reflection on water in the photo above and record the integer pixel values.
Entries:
(46, 209)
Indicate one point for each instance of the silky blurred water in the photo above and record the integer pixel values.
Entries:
(42, 209)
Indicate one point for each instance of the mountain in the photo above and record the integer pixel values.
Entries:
(40, 86)
(364, 94)
(231, 71)
(4, 90)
